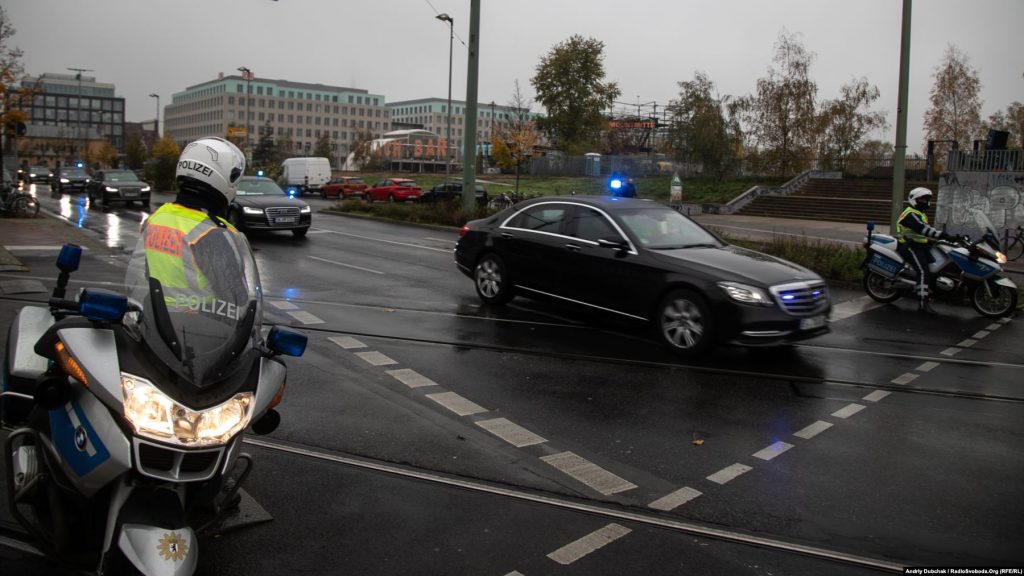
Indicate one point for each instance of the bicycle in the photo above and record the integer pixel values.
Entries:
(18, 204)
(1015, 245)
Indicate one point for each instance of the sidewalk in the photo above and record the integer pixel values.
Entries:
(45, 232)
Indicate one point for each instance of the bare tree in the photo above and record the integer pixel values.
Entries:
(512, 141)
(955, 112)
(845, 122)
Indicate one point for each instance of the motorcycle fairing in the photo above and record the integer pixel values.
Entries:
(92, 448)
(95, 350)
(158, 551)
(975, 269)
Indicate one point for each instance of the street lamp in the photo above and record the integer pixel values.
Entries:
(78, 129)
(448, 137)
(157, 126)
(247, 76)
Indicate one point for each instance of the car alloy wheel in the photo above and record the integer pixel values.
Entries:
(683, 322)
(492, 280)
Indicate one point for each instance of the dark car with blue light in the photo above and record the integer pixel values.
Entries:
(260, 204)
(71, 179)
(643, 261)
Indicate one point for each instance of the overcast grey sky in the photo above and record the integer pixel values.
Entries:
(398, 49)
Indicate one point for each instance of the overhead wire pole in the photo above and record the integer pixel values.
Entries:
(900, 151)
(472, 77)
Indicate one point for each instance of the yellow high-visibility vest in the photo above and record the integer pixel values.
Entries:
(904, 234)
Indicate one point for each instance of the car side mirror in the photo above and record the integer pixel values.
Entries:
(613, 243)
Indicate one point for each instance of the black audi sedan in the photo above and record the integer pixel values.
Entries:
(71, 179)
(260, 204)
(641, 260)
(117, 186)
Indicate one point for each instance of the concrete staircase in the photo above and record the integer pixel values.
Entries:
(848, 200)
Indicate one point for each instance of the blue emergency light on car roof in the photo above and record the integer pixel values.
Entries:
(615, 184)
(259, 173)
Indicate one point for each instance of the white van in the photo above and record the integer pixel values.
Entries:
(306, 175)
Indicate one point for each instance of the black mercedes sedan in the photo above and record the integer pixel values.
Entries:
(260, 204)
(644, 261)
(117, 186)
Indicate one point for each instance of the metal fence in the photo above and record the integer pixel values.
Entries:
(987, 161)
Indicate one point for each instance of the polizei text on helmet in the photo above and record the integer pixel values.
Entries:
(195, 167)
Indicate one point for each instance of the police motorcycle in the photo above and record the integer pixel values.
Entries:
(966, 267)
(129, 411)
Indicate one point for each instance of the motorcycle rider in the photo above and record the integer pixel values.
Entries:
(915, 237)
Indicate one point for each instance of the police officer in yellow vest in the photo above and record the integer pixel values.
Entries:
(194, 226)
(915, 237)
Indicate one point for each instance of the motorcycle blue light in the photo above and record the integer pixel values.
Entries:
(287, 341)
(70, 256)
(102, 305)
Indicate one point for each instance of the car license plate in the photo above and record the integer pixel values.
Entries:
(131, 194)
(812, 322)
(284, 220)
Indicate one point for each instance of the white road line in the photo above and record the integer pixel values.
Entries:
(511, 432)
(376, 358)
(772, 451)
(347, 342)
(305, 317)
(927, 367)
(515, 573)
(904, 378)
(967, 343)
(876, 396)
(729, 473)
(951, 351)
(845, 310)
(572, 552)
(980, 334)
(993, 326)
(588, 473)
(283, 305)
(445, 250)
(848, 410)
(370, 270)
(411, 378)
(1004, 320)
(675, 499)
(456, 403)
(813, 430)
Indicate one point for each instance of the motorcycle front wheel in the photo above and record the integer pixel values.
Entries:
(880, 288)
(993, 300)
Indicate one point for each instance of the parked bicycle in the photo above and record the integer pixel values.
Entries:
(1014, 246)
(506, 199)
(18, 204)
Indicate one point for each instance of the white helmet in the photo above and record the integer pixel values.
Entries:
(213, 162)
(918, 194)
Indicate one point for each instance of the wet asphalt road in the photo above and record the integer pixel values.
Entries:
(895, 440)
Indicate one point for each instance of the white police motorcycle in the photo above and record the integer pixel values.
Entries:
(967, 267)
(129, 412)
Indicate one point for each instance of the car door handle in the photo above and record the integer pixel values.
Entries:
(573, 247)
(507, 235)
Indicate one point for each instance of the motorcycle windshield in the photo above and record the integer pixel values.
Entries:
(200, 299)
(983, 222)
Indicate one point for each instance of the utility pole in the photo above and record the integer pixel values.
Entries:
(78, 127)
(472, 78)
(900, 152)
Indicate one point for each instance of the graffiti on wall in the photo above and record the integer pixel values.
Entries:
(999, 195)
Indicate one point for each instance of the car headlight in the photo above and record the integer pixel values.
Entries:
(156, 415)
(65, 181)
(249, 210)
(746, 294)
(306, 210)
(144, 189)
(111, 189)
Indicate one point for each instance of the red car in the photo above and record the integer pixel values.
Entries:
(393, 190)
(343, 187)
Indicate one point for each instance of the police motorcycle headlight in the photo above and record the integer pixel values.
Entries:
(157, 416)
(250, 210)
(746, 294)
(990, 253)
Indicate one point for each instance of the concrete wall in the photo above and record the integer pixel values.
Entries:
(999, 194)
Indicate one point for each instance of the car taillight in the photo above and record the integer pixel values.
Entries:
(463, 230)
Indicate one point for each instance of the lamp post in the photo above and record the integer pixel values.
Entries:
(247, 76)
(448, 137)
(78, 76)
(157, 125)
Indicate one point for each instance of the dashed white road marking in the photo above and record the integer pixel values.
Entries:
(411, 378)
(848, 410)
(354, 267)
(772, 451)
(927, 367)
(993, 326)
(283, 305)
(951, 351)
(390, 241)
(574, 551)
(456, 403)
(347, 342)
(511, 432)
(845, 310)
(675, 499)
(729, 473)
(305, 317)
(905, 378)
(376, 358)
(876, 396)
(515, 573)
(813, 430)
(588, 473)
(967, 343)
(980, 334)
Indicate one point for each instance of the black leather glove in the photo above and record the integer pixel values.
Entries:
(948, 237)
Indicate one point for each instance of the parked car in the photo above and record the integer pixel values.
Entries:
(343, 187)
(643, 261)
(260, 204)
(70, 179)
(452, 192)
(393, 190)
(39, 174)
(117, 186)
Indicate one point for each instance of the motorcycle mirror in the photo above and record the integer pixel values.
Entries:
(69, 258)
(52, 392)
(268, 423)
